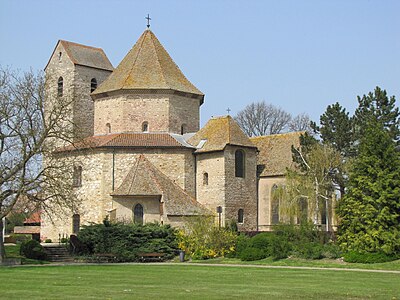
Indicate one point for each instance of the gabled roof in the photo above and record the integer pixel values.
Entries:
(275, 152)
(85, 55)
(127, 140)
(219, 132)
(144, 179)
(147, 66)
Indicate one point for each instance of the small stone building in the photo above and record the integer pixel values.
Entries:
(139, 153)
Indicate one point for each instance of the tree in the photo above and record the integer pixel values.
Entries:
(262, 119)
(28, 133)
(301, 123)
(337, 130)
(370, 211)
(311, 181)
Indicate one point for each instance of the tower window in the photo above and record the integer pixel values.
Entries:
(108, 126)
(60, 87)
(145, 127)
(183, 128)
(205, 178)
(59, 56)
(138, 214)
(239, 163)
(77, 177)
(240, 216)
(93, 84)
(76, 223)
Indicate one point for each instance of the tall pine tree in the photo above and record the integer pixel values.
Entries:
(370, 211)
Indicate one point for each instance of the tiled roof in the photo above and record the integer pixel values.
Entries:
(132, 140)
(217, 133)
(26, 229)
(147, 66)
(86, 56)
(144, 179)
(33, 218)
(275, 152)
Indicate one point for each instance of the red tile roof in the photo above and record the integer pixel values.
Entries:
(131, 140)
(33, 218)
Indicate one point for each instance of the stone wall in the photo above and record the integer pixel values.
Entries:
(241, 193)
(265, 185)
(162, 112)
(124, 208)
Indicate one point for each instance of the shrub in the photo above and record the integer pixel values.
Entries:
(251, 254)
(63, 240)
(127, 240)
(309, 250)
(19, 238)
(367, 258)
(280, 246)
(32, 249)
(201, 239)
(48, 241)
(331, 250)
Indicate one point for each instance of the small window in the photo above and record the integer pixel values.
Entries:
(93, 84)
(59, 56)
(239, 163)
(76, 223)
(145, 127)
(138, 214)
(108, 125)
(205, 178)
(240, 216)
(77, 176)
(274, 205)
(60, 87)
(183, 129)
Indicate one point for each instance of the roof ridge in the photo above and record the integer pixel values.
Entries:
(134, 174)
(152, 168)
(81, 45)
(158, 57)
(134, 62)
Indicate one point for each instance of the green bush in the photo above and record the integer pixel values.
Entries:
(309, 250)
(280, 246)
(48, 241)
(332, 251)
(242, 243)
(367, 258)
(19, 238)
(32, 249)
(251, 254)
(127, 240)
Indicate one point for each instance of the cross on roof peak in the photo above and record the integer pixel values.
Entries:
(148, 20)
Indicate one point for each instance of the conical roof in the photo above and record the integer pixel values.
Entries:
(147, 66)
(219, 132)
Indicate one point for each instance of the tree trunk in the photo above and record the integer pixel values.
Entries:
(2, 249)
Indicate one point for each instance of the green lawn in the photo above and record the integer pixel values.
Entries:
(149, 281)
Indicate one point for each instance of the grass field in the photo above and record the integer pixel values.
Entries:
(149, 281)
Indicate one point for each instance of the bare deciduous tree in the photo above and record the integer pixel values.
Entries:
(28, 134)
(301, 123)
(263, 119)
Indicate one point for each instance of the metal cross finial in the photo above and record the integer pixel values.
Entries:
(148, 20)
(228, 110)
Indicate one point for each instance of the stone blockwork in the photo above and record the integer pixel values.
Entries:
(151, 206)
(162, 112)
(103, 171)
(265, 185)
(241, 193)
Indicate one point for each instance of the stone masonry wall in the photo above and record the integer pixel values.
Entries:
(212, 194)
(241, 193)
(83, 104)
(184, 110)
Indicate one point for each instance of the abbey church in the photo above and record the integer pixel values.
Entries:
(139, 152)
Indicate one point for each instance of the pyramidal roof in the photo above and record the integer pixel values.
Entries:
(144, 179)
(147, 66)
(219, 132)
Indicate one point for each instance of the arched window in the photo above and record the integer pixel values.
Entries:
(60, 87)
(240, 216)
(145, 127)
(93, 84)
(108, 125)
(77, 176)
(239, 163)
(274, 205)
(76, 223)
(138, 214)
(59, 56)
(205, 178)
(183, 128)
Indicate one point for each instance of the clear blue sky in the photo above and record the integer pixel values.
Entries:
(299, 55)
